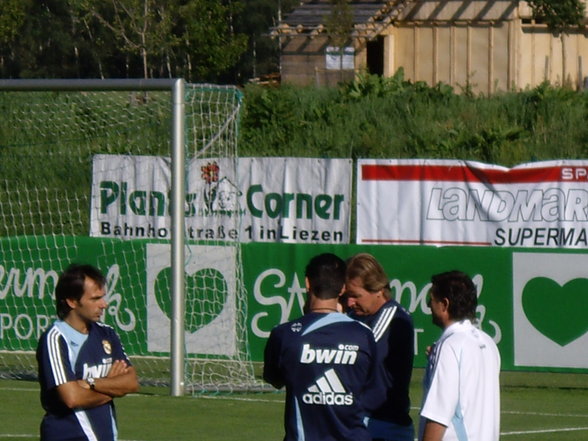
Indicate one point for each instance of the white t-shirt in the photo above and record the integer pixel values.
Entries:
(462, 389)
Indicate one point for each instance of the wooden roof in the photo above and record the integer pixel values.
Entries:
(313, 12)
(372, 17)
(309, 18)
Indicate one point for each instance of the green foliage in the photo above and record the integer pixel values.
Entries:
(375, 117)
(50, 138)
(12, 16)
(560, 15)
(193, 39)
(210, 45)
(263, 54)
(339, 23)
(374, 85)
(141, 28)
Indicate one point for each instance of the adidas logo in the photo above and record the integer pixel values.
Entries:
(328, 390)
(344, 354)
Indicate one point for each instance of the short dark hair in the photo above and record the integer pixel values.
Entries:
(70, 285)
(458, 288)
(326, 275)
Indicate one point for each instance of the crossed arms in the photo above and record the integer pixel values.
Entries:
(121, 380)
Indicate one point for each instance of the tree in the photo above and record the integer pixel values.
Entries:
(45, 44)
(210, 45)
(561, 17)
(189, 38)
(142, 27)
(263, 52)
(339, 25)
(194, 39)
(12, 17)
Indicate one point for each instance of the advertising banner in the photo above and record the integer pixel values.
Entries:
(131, 197)
(291, 200)
(550, 300)
(450, 202)
(532, 303)
(29, 273)
(138, 277)
(275, 275)
(210, 320)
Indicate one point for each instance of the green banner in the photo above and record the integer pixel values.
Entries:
(30, 266)
(275, 277)
(532, 303)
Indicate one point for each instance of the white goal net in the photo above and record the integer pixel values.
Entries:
(85, 177)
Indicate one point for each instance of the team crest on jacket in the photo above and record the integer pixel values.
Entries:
(296, 327)
(107, 347)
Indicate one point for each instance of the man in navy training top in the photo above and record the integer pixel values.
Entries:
(82, 364)
(324, 359)
(369, 300)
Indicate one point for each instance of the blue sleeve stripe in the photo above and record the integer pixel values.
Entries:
(458, 424)
(327, 320)
(299, 422)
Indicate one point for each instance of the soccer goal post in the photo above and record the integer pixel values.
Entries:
(95, 171)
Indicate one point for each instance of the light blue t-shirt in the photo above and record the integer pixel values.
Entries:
(75, 339)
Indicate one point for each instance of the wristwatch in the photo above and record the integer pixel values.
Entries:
(91, 382)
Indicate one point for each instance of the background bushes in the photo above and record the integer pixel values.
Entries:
(375, 117)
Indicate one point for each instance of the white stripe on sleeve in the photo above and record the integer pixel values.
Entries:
(55, 358)
(383, 322)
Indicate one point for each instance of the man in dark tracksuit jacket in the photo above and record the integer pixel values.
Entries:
(368, 299)
(325, 360)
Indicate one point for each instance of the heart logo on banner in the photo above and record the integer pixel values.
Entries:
(206, 295)
(559, 312)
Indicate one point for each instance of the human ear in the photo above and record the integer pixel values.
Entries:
(72, 303)
(445, 304)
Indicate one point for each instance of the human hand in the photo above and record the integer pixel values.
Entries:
(119, 367)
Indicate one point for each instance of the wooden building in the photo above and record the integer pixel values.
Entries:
(485, 45)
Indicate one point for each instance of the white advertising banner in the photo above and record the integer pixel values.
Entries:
(296, 200)
(212, 332)
(549, 309)
(130, 197)
(450, 202)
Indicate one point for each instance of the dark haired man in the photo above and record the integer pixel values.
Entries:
(324, 359)
(387, 396)
(82, 364)
(461, 385)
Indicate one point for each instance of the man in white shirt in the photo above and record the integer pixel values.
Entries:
(461, 385)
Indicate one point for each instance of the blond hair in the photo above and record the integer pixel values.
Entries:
(365, 267)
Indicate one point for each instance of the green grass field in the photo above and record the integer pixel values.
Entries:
(535, 406)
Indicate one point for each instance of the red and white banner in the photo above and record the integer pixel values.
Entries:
(450, 202)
